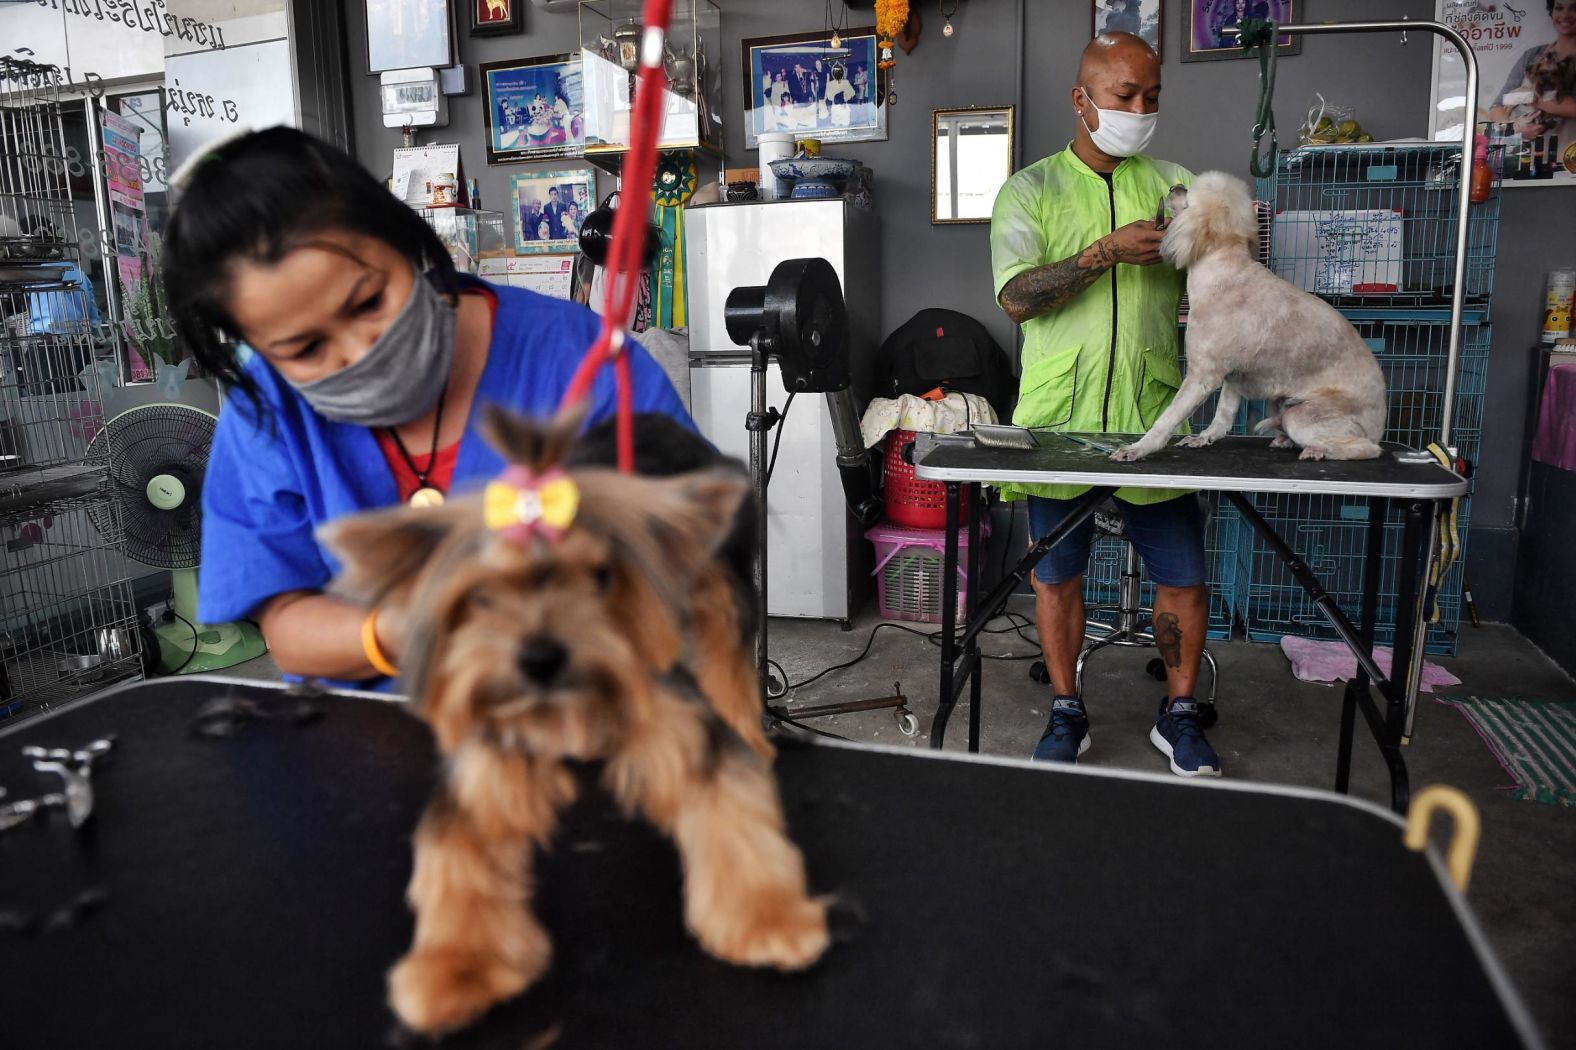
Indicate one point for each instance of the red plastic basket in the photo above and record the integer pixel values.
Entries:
(910, 501)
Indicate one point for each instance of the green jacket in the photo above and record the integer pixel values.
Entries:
(1108, 359)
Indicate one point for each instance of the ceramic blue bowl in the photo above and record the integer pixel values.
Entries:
(815, 178)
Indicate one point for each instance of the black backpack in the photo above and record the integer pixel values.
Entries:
(947, 349)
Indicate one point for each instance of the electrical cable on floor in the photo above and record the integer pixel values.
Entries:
(196, 641)
(1016, 625)
(782, 426)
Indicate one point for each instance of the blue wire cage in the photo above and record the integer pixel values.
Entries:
(1372, 229)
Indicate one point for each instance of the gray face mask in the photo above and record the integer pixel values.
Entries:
(401, 376)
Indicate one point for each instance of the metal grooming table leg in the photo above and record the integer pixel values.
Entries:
(955, 672)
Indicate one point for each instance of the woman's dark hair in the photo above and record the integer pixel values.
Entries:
(257, 198)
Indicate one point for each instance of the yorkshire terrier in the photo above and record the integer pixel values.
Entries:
(573, 613)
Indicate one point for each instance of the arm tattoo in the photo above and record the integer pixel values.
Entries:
(1045, 288)
(1168, 639)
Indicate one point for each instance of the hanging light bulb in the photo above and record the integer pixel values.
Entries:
(946, 29)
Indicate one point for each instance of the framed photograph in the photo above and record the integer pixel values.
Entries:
(1139, 17)
(1203, 35)
(496, 17)
(549, 207)
(535, 108)
(803, 85)
(406, 34)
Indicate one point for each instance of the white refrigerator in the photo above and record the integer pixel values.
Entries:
(819, 563)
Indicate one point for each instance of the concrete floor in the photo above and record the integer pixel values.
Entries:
(1273, 729)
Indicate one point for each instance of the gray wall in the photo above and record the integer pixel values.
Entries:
(1206, 114)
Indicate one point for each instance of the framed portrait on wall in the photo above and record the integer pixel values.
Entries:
(1139, 17)
(548, 208)
(535, 108)
(406, 34)
(801, 84)
(1203, 34)
(496, 17)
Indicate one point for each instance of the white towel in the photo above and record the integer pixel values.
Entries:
(955, 412)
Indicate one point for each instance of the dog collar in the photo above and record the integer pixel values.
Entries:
(523, 504)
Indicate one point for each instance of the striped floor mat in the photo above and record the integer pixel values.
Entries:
(1535, 740)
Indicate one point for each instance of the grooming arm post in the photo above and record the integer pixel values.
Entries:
(1463, 208)
(758, 422)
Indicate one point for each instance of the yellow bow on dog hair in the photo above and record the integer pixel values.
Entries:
(522, 504)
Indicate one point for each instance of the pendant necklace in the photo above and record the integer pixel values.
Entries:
(426, 495)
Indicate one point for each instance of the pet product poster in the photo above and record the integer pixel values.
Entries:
(1526, 54)
(535, 108)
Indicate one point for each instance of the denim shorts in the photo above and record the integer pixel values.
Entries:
(1169, 537)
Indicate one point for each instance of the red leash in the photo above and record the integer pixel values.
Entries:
(629, 234)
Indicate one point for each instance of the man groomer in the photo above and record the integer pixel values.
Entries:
(1075, 248)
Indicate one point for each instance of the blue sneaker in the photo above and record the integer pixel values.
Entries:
(1177, 734)
(1066, 734)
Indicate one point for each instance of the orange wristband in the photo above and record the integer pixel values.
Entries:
(371, 649)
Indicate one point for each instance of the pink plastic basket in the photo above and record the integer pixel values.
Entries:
(909, 579)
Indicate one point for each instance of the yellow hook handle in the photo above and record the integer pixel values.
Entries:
(1463, 845)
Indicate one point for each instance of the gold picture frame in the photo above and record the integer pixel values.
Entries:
(967, 155)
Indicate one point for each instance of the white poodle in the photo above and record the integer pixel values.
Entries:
(1252, 335)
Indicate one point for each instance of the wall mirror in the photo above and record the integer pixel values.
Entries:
(971, 153)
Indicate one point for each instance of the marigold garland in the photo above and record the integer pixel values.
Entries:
(891, 17)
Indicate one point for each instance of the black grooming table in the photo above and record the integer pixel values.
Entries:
(1233, 466)
(251, 896)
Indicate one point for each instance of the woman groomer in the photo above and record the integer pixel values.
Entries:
(372, 357)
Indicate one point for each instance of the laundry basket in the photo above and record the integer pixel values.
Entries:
(911, 502)
(909, 577)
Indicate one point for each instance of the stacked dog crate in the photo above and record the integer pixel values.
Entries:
(67, 618)
(1372, 229)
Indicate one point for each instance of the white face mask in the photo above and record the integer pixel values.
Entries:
(1120, 134)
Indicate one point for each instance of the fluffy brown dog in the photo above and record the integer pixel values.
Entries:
(616, 635)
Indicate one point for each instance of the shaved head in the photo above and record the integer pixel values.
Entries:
(1118, 51)
(1118, 71)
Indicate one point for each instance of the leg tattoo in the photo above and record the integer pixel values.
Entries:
(1168, 639)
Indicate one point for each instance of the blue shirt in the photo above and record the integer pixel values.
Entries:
(272, 481)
